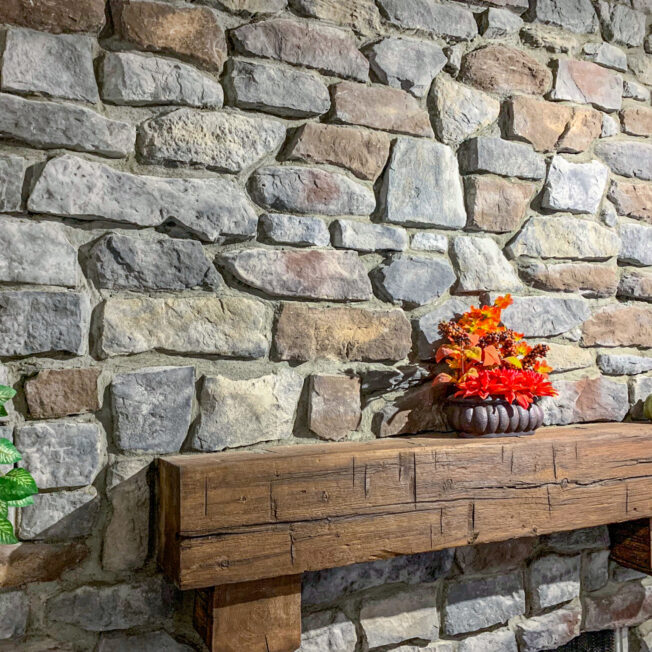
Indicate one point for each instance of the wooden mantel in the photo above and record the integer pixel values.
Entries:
(244, 526)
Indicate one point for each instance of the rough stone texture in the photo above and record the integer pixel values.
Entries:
(627, 157)
(504, 157)
(330, 50)
(120, 262)
(500, 640)
(636, 244)
(12, 173)
(362, 152)
(565, 237)
(153, 642)
(473, 604)
(230, 326)
(307, 333)
(482, 266)
(122, 606)
(151, 408)
(595, 570)
(617, 605)
(421, 186)
(410, 613)
(607, 55)
(308, 274)
(60, 515)
(367, 237)
(14, 612)
(549, 39)
(460, 111)
(635, 91)
(140, 80)
(554, 579)
(618, 365)
(637, 121)
(283, 92)
(585, 82)
(498, 23)
(639, 63)
(589, 538)
(619, 325)
(635, 284)
(588, 278)
(414, 281)
(504, 70)
(426, 326)
(493, 557)
(407, 64)
(188, 32)
(610, 126)
(62, 16)
(566, 357)
(43, 322)
(209, 208)
(242, 412)
(623, 25)
(496, 204)
(62, 392)
(574, 15)
(59, 66)
(424, 241)
(309, 190)
(361, 15)
(327, 631)
(641, 389)
(49, 125)
(220, 141)
(389, 109)
(36, 252)
(550, 630)
(291, 229)
(632, 199)
(545, 316)
(334, 406)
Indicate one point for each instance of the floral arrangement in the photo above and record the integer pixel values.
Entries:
(488, 360)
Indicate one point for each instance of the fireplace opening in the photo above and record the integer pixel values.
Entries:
(603, 641)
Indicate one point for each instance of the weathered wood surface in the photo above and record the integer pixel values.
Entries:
(631, 544)
(248, 516)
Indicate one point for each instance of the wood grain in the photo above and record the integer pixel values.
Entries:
(631, 544)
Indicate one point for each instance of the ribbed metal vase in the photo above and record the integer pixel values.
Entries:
(472, 417)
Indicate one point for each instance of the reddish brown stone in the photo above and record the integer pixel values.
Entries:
(334, 408)
(188, 32)
(307, 333)
(600, 280)
(61, 392)
(617, 605)
(380, 108)
(637, 121)
(581, 130)
(632, 199)
(496, 204)
(362, 152)
(38, 562)
(587, 83)
(54, 15)
(500, 69)
(619, 325)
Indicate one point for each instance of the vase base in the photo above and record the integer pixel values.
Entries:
(492, 435)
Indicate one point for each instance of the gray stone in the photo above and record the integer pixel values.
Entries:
(43, 322)
(121, 262)
(623, 25)
(426, 326)
(151, 408)
(636, 244)
(50, 125)
(152, 642)
(606, 55)
(56, 65)
(366, 237)
(545, 316)
(482, 266)
(636, 284)
(574, 15)
(608, 214)
(36, 252)
(574, 187)
(237, 413)
(14, 611)
(230, 326)
(60, 515)
(498, 23)
(295, 230)
(623, 365)
(595, 570)
(641, 389)
(574, 541)
(406, 63)
(610, 126)
(309, 274)
(623, 574)
(550, 631)
(403, 615)
(554, 579)
(461, 111)
(500, 640)
(413, 280)
(495, 556)
(81, 189)
(424, 241)
(61, 453)
(502, 157)
(327, 631)
(122, 606)
(139, 80)
(230, 142)
(564, 237)
(448, 21)
(309, 190)
(627, 157)
(281, 91)
(421, 186)
(639, 63)
(362, 15)
(438, 646)
(473, 604)
(12, 174)
(635, 91)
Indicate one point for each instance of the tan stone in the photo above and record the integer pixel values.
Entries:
(637, 121)
(599, 280)
(599, 399)
(361, 15)
(632, 199)
(254, 6)
(307, 333)
(61, 392)
(496, 204)
(188, 32)
(334, 407)
(566, 357)
(505, 70)
(581, 130)
(619, 325)
(54, 15)
(362, 152)
(380, 108)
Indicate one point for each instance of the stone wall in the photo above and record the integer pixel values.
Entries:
(232, 222)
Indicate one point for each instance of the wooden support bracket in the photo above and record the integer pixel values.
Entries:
(631, 544)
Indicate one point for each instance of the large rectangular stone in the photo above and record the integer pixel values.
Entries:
(587, 83)
(503, 157)
(61, 392)
(56, 17)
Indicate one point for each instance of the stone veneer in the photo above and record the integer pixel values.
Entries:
(232, 222)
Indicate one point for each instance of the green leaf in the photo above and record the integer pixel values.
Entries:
(6, 393)
(7, 535)
(23, 502)
(4, 509)
(3, 411)
(8, 452)
(17, 484)
(647, 407)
